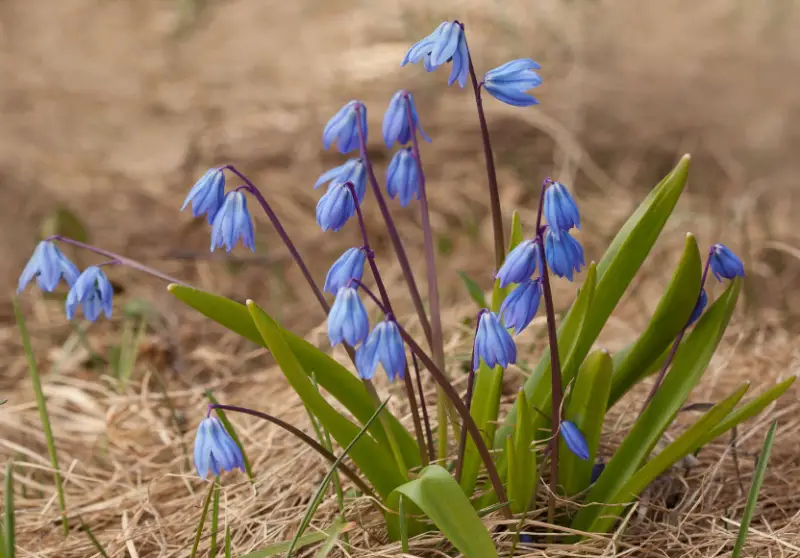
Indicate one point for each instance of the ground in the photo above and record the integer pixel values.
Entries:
(110, 111)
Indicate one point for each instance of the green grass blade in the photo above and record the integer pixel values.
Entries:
(45, 417)
(475, 291)
(129, 350)
(306, 540)
(232, 431)
(315, 502)
(755, 487)
(8, 518)
(330, 543)
(200, 524)
(228, 552)
(212, 553)
(95, 543)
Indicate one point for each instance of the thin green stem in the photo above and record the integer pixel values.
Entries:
(212, 553)
(199, 533)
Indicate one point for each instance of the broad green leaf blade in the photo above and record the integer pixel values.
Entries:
(332, 376)
(755, 487)
(377, 464)
(587, 410)
(276, 549)
(522, 477)
(401, 508)
(685, 444)
(475, 291)
(9, 530)
(668, 320)
(232, 431)
(440, 498)
(691, 361)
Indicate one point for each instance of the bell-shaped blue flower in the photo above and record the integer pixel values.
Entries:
(447, 43)
(519, 307)
(207, 194)
(402, 177)
(335, 207)
(699, 306)
(347, 320)
(215, 450)
(508, 83)
(574, 440)
(564, 254)
(493, 343)
(560, 209)
(385, 346)
(350, 265)
(396, 127)
(352, 171)
(93, 292)
(520, 264)
(343, 130)
(232, 222)
(48, 265)
(724, 263)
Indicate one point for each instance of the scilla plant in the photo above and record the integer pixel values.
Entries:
(551, 433)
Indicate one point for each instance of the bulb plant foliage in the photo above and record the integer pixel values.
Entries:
(551, 434)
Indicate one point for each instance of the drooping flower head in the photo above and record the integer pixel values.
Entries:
(519, 307)
(564, 254)
(342, 127)
(352, 171)
(215, 450)
(335, 207)
(347, 320)
(396, 127)
(232, 222)
(560, 208)
(493, 343)
(724, 263)
(207, 194)
(48, 265)
(350, 265)
(385, 346)
(402, 177)
(520, 264)
(699, 306)
(508, 83)
(574, 440)
(446, 44)
(93, 292)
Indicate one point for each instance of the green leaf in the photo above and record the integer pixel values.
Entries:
(686, 443)
(232, 431)
(374, 460)
(475, 291)
(339, 382)
(691, 361)
(587, 410)
(440, 498)
(755, 487)
(668, 320)
(9, 530)
(522, 477)
(308, 539)
(401, 510)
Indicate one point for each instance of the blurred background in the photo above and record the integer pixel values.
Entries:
(110, 110)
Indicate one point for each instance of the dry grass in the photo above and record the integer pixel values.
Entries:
(107, 111)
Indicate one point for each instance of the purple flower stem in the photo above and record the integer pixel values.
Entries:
(387, 309)
(425, 418)
(316, 446)
(494, 191)
(256, 193)
(663, 372)
(116, 258)
(437, 337)
(462, 443)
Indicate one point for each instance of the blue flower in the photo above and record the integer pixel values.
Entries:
(343, 130)
(384, 345)
(350, 265)
(395, 121)
(597, 470)
(232, 222)
(347, 320)
(699, 306)
(207, 194)
(335, 207)
(724, 263)
(93, 291)
(575, 441)
(48, 265)
(352, 171)
(215, 450)
(519, 307)
(564, 254)
(493, 343)
(402, 177)
(508, 83)
(560, 209)
(520, 263)
(446, 43)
